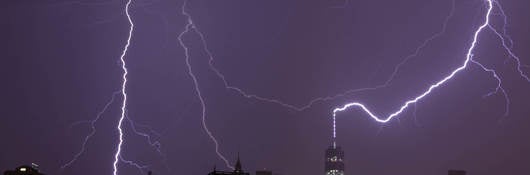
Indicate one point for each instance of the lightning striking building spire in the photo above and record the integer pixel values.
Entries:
(469, 58)
(504, 38)
(117, 154)
(190, 26)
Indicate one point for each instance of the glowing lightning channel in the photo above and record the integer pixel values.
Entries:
(191, 26)
(505, 19)
(132, 163)
(327, 98)
(469, 58)
(92, 130)
(418, 49)
(152, 143)
(503, 37)
(117, 155)
(511, 54)
(499, 87)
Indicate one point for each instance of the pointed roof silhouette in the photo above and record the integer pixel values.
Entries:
(238, 167)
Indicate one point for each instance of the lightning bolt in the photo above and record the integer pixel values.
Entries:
(190, 26)
(133, 125)
(505, 20)
(117, 155)
(499, 87)
(419, 48)
(92, 130)
(505, 39)
(510, 52)
(327, 98)
(469, 59)
(155, 144)
(134, 164)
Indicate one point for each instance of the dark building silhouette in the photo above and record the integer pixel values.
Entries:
(237, 170)
(334, 164)
(24, 170)
(456, 172)
(263, 172)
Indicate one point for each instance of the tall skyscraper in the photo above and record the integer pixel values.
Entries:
(334, 164)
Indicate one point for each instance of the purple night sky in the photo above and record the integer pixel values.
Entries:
(61, 65)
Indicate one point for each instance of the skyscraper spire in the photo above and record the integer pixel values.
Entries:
(238, 168)
(333, 139)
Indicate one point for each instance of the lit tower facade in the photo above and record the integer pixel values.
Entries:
(334, 164)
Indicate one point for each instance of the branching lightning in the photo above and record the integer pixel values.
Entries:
(469, 59)
(313, 101)
(418, 49)
(133, 125)
(152, 143)
(499, 87)
(507, 41)
(134, 164)
(92, 130)
(117, 155)
(510, 52)
(190, 26)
